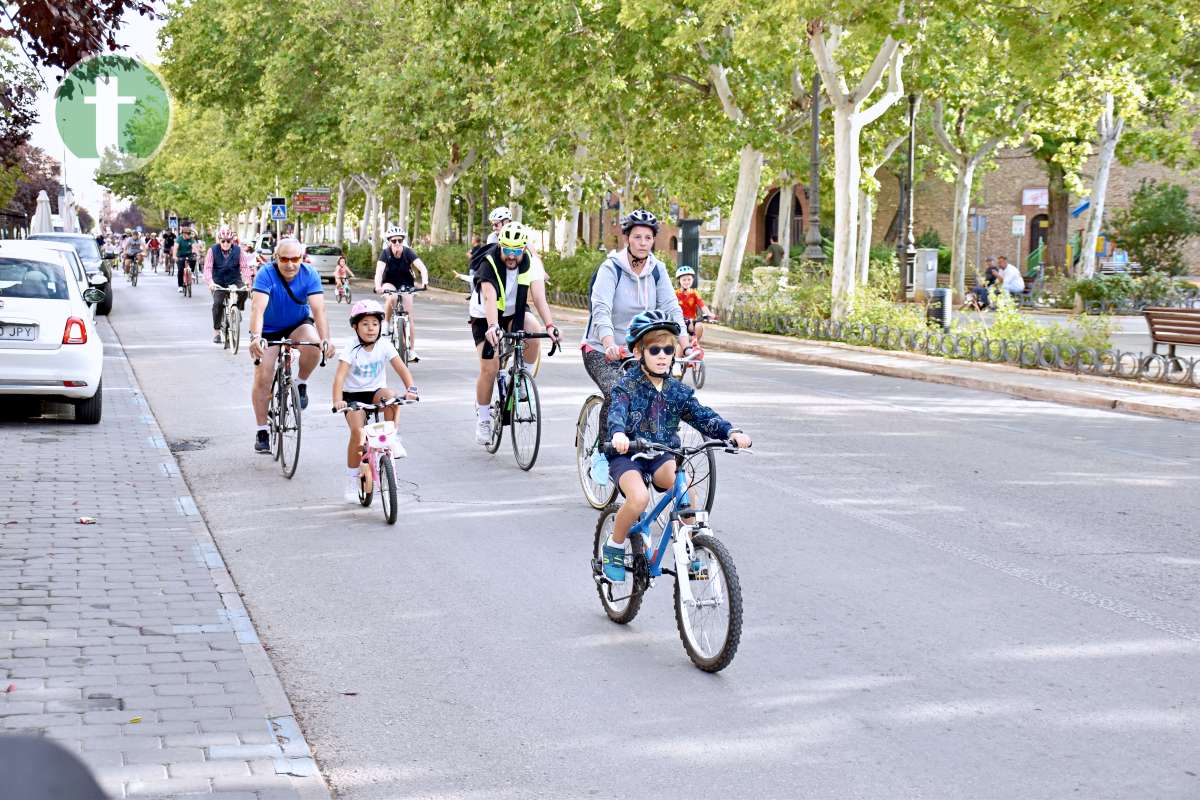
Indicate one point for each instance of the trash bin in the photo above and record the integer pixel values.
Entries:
(937, 308)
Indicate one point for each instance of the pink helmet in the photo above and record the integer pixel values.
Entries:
(226, 233)
(365, 308)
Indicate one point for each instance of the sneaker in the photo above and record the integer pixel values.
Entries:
(599, 469)
(412, 356)
(178, 290)
(262, 442)
(303, 389)
(483, 431)
(614, 562)
(350, 493)
(398, 451)
(216, 338)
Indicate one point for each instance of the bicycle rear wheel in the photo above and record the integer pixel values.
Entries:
(587, 440)
(387, 487)
(289, 430)
(526, 425)
(623, 600)
(701, 469)
(234, 321)
(366, 490)
(698, 374)
(711, 626)
(273, 417)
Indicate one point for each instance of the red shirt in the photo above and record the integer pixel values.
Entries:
(690, 302)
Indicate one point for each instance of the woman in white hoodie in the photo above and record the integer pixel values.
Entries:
(629, 282)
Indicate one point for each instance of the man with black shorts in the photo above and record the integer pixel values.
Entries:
(502, 276)
(288, 303)
(394, 271)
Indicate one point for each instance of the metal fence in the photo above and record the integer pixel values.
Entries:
(1112, 363)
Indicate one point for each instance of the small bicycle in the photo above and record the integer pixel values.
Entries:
(283, 412)
(231, 318)
(708, 604)
(400, 323)
(378, 466)
(515, 402)
(693, 361)
(342, 293)
(188, 274)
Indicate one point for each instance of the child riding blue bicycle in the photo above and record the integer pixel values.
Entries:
(648, 404)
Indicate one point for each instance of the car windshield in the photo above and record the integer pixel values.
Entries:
(36, 280)
(323, 250)
(85, 246)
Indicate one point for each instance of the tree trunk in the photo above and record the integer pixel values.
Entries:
(574, 199)
(440, 226)
(866, 222)
(339, 235)
(1110, 136)
(416, 226)
(737, 232)
(515, 190)
(963, 182)
(846, 182)
(470, 217)
(405, 201)
(1060, 216)
(787, 199)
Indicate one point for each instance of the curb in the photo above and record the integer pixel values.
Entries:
(296, 759)
(1165, 402)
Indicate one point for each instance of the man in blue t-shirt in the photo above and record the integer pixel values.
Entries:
(288, 303)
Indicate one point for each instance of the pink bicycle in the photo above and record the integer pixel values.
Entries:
(379, 466)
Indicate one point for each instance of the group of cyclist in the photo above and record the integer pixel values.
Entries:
(638, 325)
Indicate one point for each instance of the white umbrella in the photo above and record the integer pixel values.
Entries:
(70, 217)
(41, 217)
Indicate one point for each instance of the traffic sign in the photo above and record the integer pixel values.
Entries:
(1018, 225)
(173, 223)
(279, 208)
(311, 201)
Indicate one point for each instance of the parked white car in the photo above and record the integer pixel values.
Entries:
(68, 256)
(49, 344)
(323, 258)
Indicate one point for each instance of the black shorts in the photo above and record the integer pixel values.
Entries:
(619, 465)
(479, 329)
(286, 333)
(367, 398)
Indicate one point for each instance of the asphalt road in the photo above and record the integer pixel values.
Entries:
(948, 593)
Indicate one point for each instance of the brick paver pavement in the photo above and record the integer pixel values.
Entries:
(126, 639)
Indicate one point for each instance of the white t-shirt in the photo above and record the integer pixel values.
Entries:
(1013, 282)
(368, 368)
(510, 290)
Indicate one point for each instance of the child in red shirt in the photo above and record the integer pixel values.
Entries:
(691, 303)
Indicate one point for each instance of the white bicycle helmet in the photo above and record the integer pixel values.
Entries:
(500, 214)
(393, 231)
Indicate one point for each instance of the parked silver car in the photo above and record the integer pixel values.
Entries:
(323, 258)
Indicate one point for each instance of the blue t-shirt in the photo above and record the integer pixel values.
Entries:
(282, 311)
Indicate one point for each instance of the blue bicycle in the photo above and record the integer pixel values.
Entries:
(708, 604)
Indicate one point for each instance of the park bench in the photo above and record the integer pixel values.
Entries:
(1173, 327)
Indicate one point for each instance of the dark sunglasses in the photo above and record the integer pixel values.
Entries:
(289, 259)
(395, 241)
(226, 241)
(666, 349)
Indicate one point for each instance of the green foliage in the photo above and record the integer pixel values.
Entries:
(358, 258)
(570, 275)
(929, 238)
(1152, 288)
(1009, 324)
(1156, 225)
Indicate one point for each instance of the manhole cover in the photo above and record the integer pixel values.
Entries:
(184, 445)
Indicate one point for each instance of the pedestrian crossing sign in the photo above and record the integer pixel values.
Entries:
(279, 211)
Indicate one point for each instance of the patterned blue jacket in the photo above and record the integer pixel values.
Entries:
(642, 412)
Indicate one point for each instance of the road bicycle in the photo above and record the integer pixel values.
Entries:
(132, 264)
(378, 464)
(231, 317)
(400, 324)
(708, 604)
(700, 467)
(154, 259)
(283, 411)
(515, 402)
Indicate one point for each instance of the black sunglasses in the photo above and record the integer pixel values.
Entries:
(666, 349)
(395, 241)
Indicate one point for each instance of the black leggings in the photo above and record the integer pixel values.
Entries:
(218, 308)
(604, 374)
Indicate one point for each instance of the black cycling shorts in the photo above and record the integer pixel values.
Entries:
(479, 329)
(286, 333)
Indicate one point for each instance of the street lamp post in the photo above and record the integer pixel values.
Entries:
(812, 239)
(906, 248)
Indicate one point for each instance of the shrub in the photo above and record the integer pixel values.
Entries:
(1155, 226)
(358, 258)
(1009, 324)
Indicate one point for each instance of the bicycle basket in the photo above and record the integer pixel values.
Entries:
(378, 432)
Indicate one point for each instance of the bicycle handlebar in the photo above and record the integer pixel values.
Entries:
(293, 343)
(357, 406)
(520, 335)
(412, 290)
(642, 446)
(230, 288)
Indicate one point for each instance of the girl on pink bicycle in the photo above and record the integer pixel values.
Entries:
(362, 378)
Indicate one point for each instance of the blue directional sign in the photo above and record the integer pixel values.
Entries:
(279, 208)
(173, 223)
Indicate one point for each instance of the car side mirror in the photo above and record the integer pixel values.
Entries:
(97, 279)
(92, 296)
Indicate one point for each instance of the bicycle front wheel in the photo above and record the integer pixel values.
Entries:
(710, 625)
(698, 374)
(289, 430)
(133, 273)
(387, 487)
(621, 600)
(235, 328)
(587, 441)
(526, 425)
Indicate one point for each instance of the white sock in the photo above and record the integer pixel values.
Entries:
(351, 472)
(302, 381)
(611, 543)
(485, 413)
(262, 428)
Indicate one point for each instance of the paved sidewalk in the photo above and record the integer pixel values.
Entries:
(126, 639)
(1031, 384)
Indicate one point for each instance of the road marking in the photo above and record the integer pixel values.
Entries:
(157, 441)
(169, 469)
(242, 626)
(187, 506)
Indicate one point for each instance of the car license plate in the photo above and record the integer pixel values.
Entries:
(21, 333)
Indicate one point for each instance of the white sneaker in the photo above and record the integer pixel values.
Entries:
(412, 356)
(350, 495)
(178, 290)
(483, 431)
(398, 451)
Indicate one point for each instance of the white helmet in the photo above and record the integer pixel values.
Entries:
(500, 214)
(393, 231)
(225, 232)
